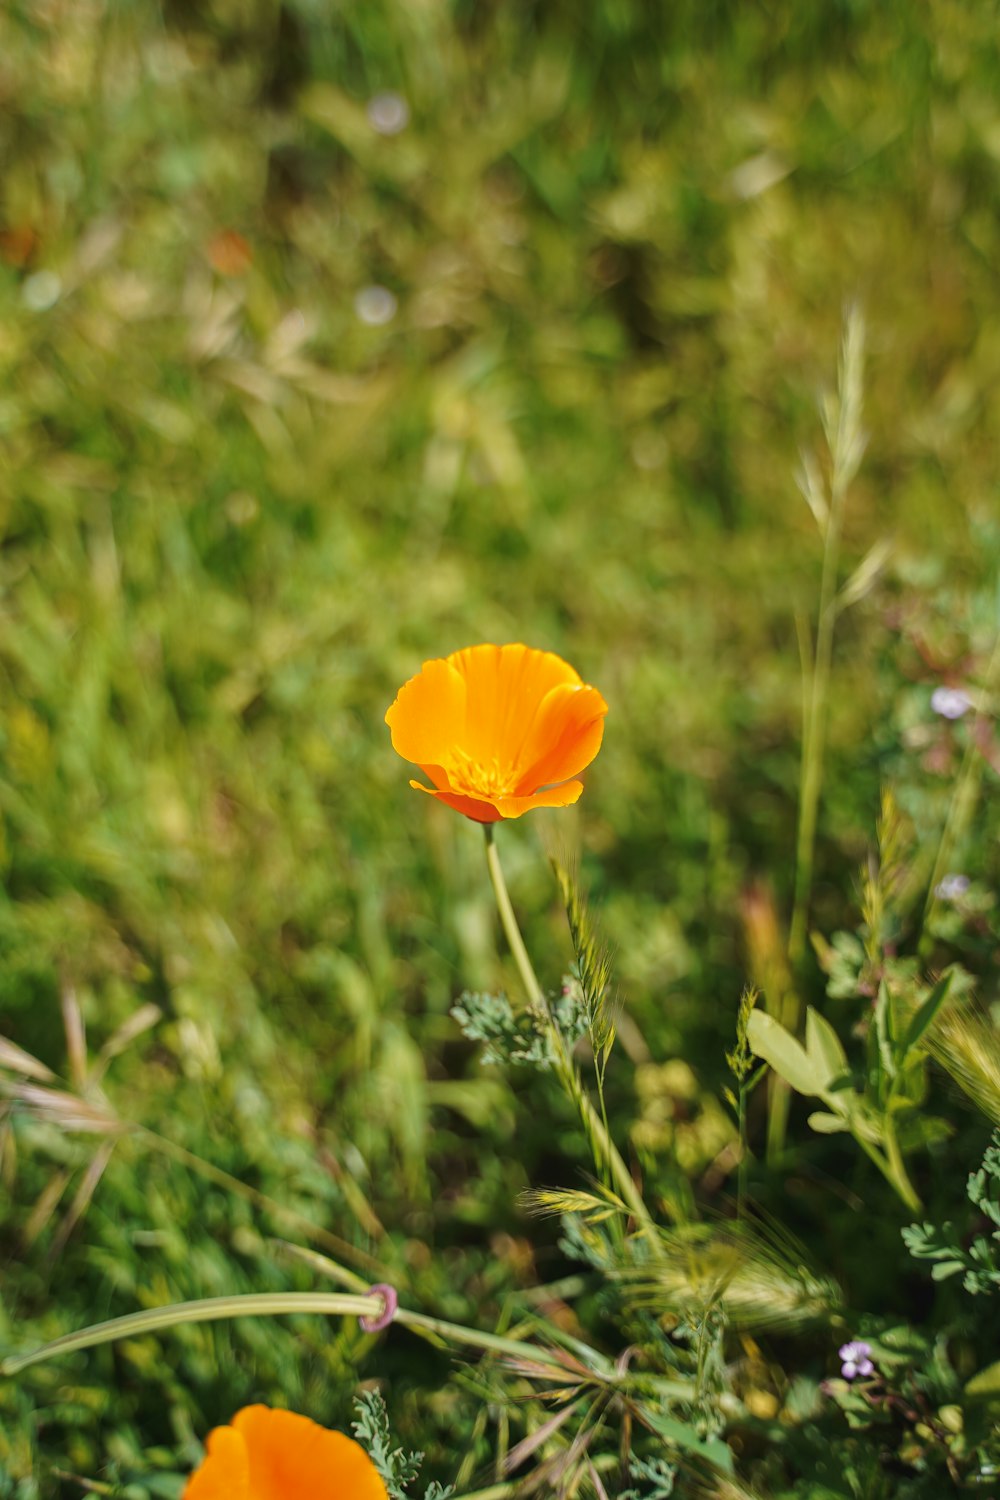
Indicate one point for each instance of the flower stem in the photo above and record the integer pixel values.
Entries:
(205, 1310)
(254, 1304)
(895, 1169)
(606, 1153)
(257, 1304)
(898, 1175)
(891, 1166)
(508, 921)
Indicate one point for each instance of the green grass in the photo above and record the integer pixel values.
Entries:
(235, 518)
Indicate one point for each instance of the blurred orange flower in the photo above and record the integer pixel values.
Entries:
(498, 730)
(278, 1455)
(229, 253)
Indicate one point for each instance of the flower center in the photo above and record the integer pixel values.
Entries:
(480, 778)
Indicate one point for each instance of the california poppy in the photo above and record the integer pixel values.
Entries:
(498, 730)
(277, 1455)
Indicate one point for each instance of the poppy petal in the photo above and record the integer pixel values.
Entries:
(427, 719)
(554, 796)
(438, 776)
(504, 687)
(564, 737)
(291, 1458)
(224, 1473)
(472, 807)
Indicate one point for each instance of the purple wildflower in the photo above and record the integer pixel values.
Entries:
(952, 887)
(855, 1359)
(950, 703)
(388, 113)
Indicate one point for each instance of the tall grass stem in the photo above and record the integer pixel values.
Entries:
(606, 1154)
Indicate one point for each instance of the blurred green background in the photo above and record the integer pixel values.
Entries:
(334, 336)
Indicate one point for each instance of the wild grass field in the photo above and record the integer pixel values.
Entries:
(336, 337)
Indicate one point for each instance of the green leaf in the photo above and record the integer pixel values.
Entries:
(946, 1268)
(918, 1130)
(824, 1047)
(825, 1124)
(924, 1015)
(685, 1438)
(789, 1059)
(884, 1031)
(985, 1386)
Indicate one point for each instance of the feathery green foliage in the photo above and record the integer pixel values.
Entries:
(398, 1469)
(980, 1262)
(511, 1036)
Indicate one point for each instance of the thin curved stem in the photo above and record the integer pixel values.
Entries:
(891, 1166)
(254, 1304)
(258, 1304)
(205, 1310)
(898, 1175)
(508, 921)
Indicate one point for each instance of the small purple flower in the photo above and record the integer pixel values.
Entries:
(952, 887)
(388, 113)
(950, 703)
(855, 1360)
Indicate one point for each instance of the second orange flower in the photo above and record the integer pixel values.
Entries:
(498, 730)
(265, 1454)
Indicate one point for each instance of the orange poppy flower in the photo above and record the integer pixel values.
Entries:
(498, 730)
(278, 1455)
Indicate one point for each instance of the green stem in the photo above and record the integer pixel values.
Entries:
(963, 800)
(846, 445)
(262, 1304)
(816, 687)
(874, 1155)
(602, 1463)
(422, 1323)
(618, 1226)
(900, 1177)
(455, 1333)
(891, 1167)
(206, 1310)
(605, 1150)
(814, 736)
(508, 921)
(258, 1304)
(741, 1167)
(897, 1173)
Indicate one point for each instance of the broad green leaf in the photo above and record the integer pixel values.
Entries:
(925, 1013)
(684, 1437)
(825, 1124)
(985, 1386)
(824, 1047)
(916, 1130)
(789, 1059)
(946, 1268)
